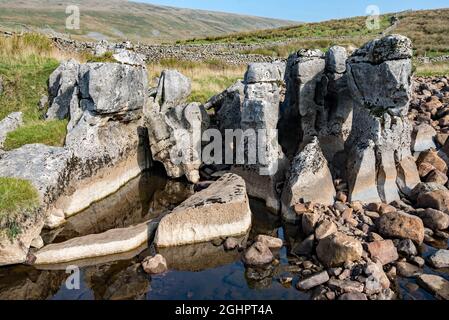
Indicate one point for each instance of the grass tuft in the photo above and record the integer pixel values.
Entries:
(51, 133)
(17, 197)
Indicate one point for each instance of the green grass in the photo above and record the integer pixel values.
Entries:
(26, 63)
(51, 133)
(351, 27)
(24, 81)
(17, 198)
(437, 69)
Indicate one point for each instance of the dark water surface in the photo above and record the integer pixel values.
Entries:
(203, 271)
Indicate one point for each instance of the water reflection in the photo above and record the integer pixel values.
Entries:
(141, 199)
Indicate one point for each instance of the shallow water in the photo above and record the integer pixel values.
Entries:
(203, 271)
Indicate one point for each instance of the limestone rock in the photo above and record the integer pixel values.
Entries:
(423, 136)
(47, 168)
(63, 91)
(175, 133)
(435, 284)
(337, 249)
(228, 107)
(97, 245)
(270, 242)
(440, 259)
(438, 199)
(313, 281)
(265, 72)
(10, 123)
(434, 219)
(107, 88)
(336, 58)
(309, 180)
(222, 210)
(362, 177)
(154, 265)
(258, 255)
(173, 89)
(401, 225)
(383, 251)
(129, 57)
(265, 164)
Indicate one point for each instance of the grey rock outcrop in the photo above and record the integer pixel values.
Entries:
(10, 123)
(105, 132)
(175, 128)
(63, 90)
(173, 89)
(380, 138)
(303, 72)
(228, 107)
(129, 57)
(49, 171)
(309, 180)
(265, 164)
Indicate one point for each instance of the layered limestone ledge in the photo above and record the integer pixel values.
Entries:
(111, 242)
(105, 182)
(221, 210)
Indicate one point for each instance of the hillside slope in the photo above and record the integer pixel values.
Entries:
(428, 29)
(121, 19)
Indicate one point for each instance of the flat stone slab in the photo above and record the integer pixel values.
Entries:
(221, 210)
(111, 242)
(435, 284)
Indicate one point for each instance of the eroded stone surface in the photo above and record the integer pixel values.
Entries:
(221, 210)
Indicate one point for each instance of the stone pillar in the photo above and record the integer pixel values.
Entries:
(260, 115)
(379, 146)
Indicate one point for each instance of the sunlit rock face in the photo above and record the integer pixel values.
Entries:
(379, 80)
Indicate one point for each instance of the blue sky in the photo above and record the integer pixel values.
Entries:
(303, 10)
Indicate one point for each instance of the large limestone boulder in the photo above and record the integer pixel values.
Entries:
(10, 123)
(303, 72)
(63, 90)
(175, 137)
(173, 89)
(222, 210)
(309, 180)
(49, 171)
(175, 128)
(265, 164)
(105, 133)
(379, 80)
